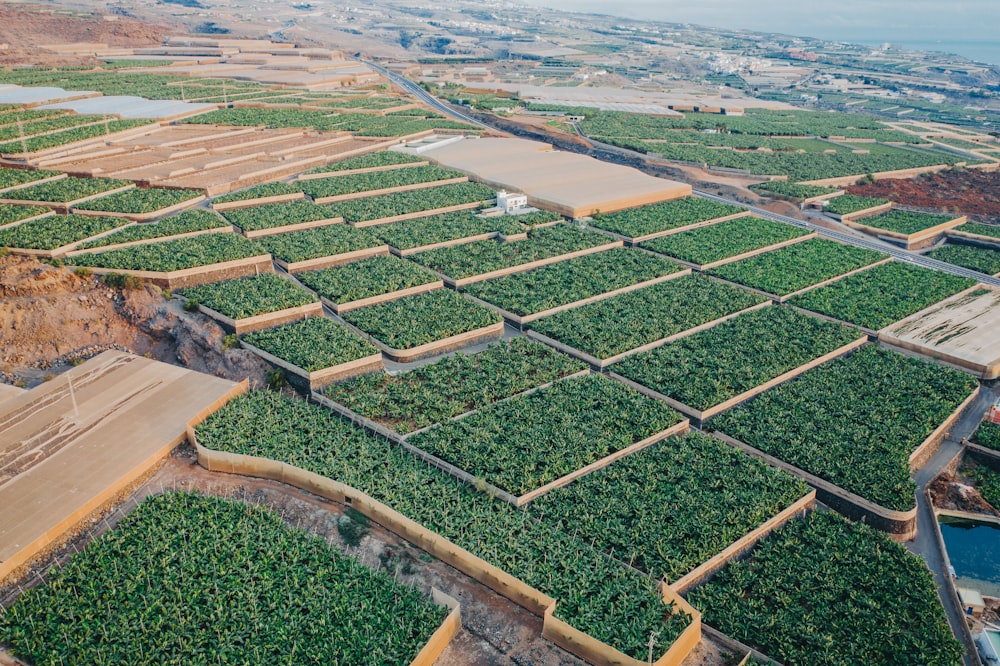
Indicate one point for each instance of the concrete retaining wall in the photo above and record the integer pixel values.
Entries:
(192, 277)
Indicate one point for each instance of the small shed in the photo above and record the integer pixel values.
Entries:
(972, 601)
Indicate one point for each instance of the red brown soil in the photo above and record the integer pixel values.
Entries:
(51, 317)
(956, 493)
(26, 27)
(967, 191)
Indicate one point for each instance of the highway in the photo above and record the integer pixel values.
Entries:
(848, 239)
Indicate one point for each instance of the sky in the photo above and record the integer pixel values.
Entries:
(838, 20)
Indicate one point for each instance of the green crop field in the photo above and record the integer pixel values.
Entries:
(14, 177)
(809, 593)
(55, 231)
(366, 278)
(792, 190)
(573, 280)
(675, 214)
(904, 221)
(259, 192)
(313, 343)
(853, 421)
(460, 224)
(991, 230)
(716, 242)
(510, 444)
(65, 190)
(456, 384)
(276, 215)
(175, 255)
(326, 241)
(620, 323)
(139, 200)
(789, 269)
(988, 435)
(250, 296)
(417, 201)
(883, 295)
(712, 366)
(376, 180)
(983, 259)
(850, 203)
(186, 578)
(369, 161)
(181, 223)
(13, 212)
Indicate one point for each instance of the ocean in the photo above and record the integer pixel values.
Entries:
(980, 51)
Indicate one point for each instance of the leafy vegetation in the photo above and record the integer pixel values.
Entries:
(988, 435)
(366, 278)
(55, 231)
(140, 200)
(14, 212)
(636, 222)
(726, 239)
(423, 231)
(454, 385)
(596, 595)
(809, 592)
(510, 444)
(276, 215)
(853, 421)
(175, 255)
(672, 506)
(904, 221)
(313, 343)
(797, 266)
(67, 189)
(376, 180)
(326, 241)
(982, 259)
(259, 192)
(573, 280)
(710, 367)
(885, 294)
(485, 256)
(415, 320)
(987, 483)
(70, 135)
(15, 177)
(850, 203)
(630, 320)
(250, 296)
(991, 230)
(785, 189)
(186, 578)
(416, 201)
(182, 223)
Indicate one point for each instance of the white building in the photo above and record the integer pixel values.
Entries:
(511, 202)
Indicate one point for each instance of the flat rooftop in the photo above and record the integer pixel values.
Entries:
(64, 452)
(567, 183)
(962, 330)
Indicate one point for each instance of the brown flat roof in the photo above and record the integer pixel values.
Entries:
(60, 460)
(568, 183)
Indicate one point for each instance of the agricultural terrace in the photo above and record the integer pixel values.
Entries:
(261, 191)
(904, 221)
(421, 319)
(313, 343)
(15, 213)
(573, 280)
(150, 86)
(416, 201)
(377, 180)
(795, 191)
(850, 203)
(182, 223)
(70, 135)
(666, 216)
(988, 435)
(734, 142)
(991, 230)
(174, 255)
(796, 267)
(721, 241)
(327, 241)
(983, 259)
(712, 366)
(624, 322)
(366, 278)
(486, 256)
(454, 385)
(56, 231)
(145, 583)
(511, 444)
(672, 506)
(66, 190)
(14, 177)
(883, 295)
(854, 421)
(277, 215)
(139, 200)
(359, 124)
(448, 227)
(825, 591)
(383, 158)
(250, 296)
(596, 595)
